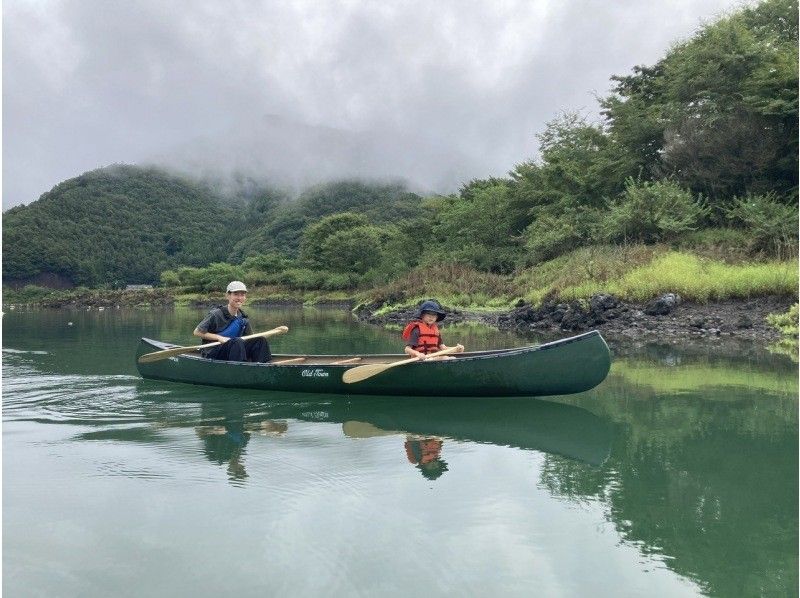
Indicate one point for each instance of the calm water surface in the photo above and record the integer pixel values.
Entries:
(677, 476)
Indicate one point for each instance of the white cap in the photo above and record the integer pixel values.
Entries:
(236, 285)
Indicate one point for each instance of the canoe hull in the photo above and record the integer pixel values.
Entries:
(566, 366)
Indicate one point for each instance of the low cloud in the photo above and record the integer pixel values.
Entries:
(299, 92)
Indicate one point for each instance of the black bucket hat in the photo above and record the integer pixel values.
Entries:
(433, 307)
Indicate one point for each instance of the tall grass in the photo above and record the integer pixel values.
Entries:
(637, 278)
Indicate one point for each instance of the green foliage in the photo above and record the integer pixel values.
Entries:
(771, 225)
(578, 167)
(453, 284)
(170, 278)
(380, 203)
(475, 229)
(277, 224)
(651, 212)
(353, 250)
(596, 265)
(787, 322)
(267, 262)
(213, 278)
(695, 279)
(564, 195)
(552, 234)
(715, 118)
(346, 243)
(116, 225)
(719, 111)
(304, 279)
(641, 272)
(281, 233)
(725, 244)
(316, 235)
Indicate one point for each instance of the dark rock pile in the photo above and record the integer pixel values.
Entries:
(666, 316)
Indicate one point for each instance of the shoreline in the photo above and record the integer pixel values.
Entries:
(666, 317)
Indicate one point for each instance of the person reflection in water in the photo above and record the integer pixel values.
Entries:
(425, 453)
(226, 443)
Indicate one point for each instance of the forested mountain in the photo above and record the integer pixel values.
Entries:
(276, 223)
(117, 225)
(125, 224)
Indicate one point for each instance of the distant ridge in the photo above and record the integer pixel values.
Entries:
(115, 225)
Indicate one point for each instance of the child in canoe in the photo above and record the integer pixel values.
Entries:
(422, 334)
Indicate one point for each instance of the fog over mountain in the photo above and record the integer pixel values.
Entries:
(298, 92)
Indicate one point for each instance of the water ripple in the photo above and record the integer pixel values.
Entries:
(74, 399)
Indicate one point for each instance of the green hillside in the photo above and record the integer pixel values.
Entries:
(117, 225)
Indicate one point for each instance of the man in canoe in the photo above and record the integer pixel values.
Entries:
(226, 324)
(422, 334)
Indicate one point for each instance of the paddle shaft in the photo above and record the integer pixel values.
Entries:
(362, 372)
(167, 353)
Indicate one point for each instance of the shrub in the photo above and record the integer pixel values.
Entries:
(334, 281)
(316, 235)
(786, 322)
(770, 224)
(729, 245)
(301, 278)
(170, 278)
(554, 233)
(651, 212)
(353, 250)
(267, 262)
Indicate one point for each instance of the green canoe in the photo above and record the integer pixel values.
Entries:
(565, 366)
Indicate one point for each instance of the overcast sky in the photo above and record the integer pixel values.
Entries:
(434, 92)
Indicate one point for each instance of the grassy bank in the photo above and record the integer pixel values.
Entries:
(634, 273)
(639, 273)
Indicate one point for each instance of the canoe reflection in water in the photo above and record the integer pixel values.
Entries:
(423, 426)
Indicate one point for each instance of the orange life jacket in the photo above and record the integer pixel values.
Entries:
(423, 451)
(429, 337)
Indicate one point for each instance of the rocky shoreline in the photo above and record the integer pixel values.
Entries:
(666, 317)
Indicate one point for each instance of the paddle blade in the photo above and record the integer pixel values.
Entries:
(363, 372)
(166, 354)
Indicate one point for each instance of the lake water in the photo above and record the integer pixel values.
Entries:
(677, 476)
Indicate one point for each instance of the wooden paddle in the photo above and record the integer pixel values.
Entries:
(159, 355)
(362, 372)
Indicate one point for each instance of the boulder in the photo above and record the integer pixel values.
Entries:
(662, 305)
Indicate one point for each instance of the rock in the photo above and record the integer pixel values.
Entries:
(573, 319)
(697, 322)
(558, 312)
(663, 305)
(744, 321)
(602, 302)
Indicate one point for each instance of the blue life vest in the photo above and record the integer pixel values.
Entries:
(235, 328)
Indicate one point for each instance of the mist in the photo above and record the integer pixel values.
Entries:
(297, 93)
